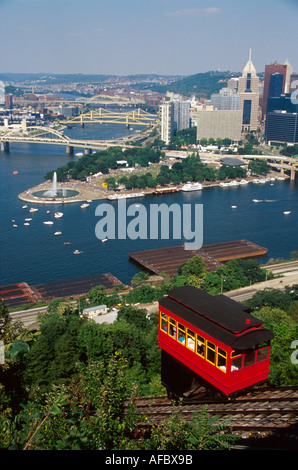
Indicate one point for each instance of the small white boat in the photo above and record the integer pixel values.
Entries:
(234, 207)
(77, 252)
(66, 243)
(287, 212)
(256, 200)
(33, 209)
(14, 225)
(104, 240)
(28, 219)
(26, 223)
(79, 154)
(58, 233)
(58, 215)
(48, 222)
(25, 206)
(83, 206)
(243, 182)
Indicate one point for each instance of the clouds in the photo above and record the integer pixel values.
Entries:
(194, 12)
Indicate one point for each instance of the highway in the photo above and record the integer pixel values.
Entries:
(287, 279)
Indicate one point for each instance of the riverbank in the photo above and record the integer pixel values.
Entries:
(94, 190)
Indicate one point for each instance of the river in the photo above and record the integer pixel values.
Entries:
(34, 255)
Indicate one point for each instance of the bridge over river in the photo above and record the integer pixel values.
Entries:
(52, 136)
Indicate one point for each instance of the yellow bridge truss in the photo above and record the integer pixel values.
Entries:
(136, 117)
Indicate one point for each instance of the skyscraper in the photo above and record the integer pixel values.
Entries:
(288, 76)
(174, 116)
(249, 96)
(282, 128)
(270, 70)
(225, 99)
(166, 121)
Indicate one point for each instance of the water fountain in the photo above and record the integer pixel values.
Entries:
(54, 192)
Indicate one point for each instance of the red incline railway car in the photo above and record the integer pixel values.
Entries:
(212, 341)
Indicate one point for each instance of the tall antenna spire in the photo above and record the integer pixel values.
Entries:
(249, 58)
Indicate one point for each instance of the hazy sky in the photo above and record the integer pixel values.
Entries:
(143, 36)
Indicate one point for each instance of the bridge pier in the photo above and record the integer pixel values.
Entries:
(292, 177)
(69, 150)
(4, 146)
(87, 151)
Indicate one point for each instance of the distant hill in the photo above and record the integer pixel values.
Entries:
(200, 84)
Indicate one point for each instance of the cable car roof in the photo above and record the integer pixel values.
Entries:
(218, 316)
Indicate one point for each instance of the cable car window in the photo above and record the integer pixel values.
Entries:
(262, 354)
(210, 352)
(190, 339)
(163, 322)
(249, 358)
(222, 359)
(181, 333)
(236, 363)
(172, 327)
(200, 346)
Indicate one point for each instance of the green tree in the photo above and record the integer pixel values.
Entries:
(97, 295)
(194, 266)
(273, 298)
(106, 392)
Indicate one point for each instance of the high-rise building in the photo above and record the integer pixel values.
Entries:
(8, 100)
(219, 124)
(288, 76)
(283, 102)
(249, 97)
(174, 116)
(271, 69)
(282, 128)
(181, 113)
(225, 99)
(294, 84)
(275, 85)
(166, 121)
(233, 84)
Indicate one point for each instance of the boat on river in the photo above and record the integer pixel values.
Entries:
(114, 197)
(192, 187)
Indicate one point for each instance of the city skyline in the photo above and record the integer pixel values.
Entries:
(165, 37)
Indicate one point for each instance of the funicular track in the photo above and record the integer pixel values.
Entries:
(265, 414)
